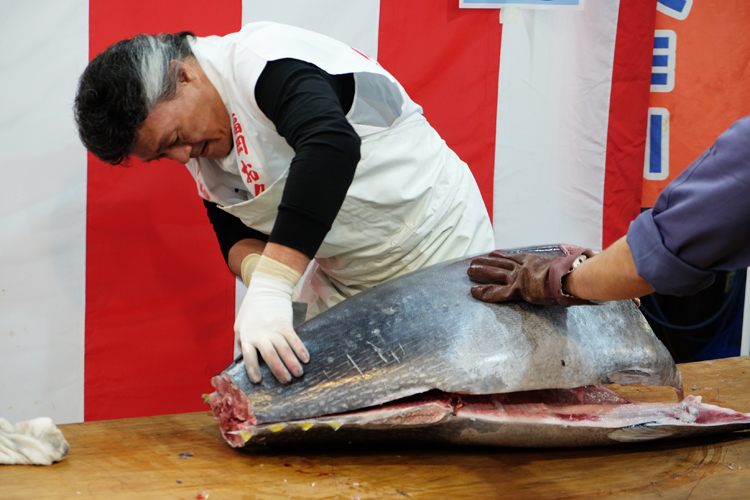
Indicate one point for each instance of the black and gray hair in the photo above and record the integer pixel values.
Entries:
(121, 86)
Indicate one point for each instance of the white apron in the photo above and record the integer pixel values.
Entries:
(412, 202)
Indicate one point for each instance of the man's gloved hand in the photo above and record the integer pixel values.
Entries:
(535, 278)
(264, 323)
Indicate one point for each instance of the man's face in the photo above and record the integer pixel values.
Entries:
(193, 124)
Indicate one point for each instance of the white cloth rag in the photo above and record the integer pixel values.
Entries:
(33, 442)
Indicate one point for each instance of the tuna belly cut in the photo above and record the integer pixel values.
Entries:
(586, 416)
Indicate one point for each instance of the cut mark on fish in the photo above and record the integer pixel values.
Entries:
(355, 365)
(379, 351)
(396, 357)
(326, 374)
(402, 349)
(402, 493)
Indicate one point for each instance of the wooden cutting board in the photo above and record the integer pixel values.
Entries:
(185, 457)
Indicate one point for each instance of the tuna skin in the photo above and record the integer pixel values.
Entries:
(424, 333)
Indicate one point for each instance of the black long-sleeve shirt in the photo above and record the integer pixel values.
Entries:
(308, 107)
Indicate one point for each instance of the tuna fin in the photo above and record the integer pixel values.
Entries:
(648, 431)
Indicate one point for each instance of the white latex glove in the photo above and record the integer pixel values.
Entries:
(264, 323)
(249, 263)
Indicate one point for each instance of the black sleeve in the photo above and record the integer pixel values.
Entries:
(229, 229)
(308, 107)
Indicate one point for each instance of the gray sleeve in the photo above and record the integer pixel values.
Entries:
(701, 221)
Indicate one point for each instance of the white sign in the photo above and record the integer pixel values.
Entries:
(529, 4)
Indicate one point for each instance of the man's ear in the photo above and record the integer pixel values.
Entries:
(185, 72)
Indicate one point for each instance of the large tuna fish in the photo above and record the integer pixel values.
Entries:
(418, 358)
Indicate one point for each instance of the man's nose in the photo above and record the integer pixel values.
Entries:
(180, 153)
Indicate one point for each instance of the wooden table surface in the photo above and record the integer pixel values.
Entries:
(139, 458)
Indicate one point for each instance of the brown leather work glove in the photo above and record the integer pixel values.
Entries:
(535, 278)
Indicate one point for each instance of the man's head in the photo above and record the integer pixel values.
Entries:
(148, 97)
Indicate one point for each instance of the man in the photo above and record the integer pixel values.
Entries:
(700, 224)
(301, 147)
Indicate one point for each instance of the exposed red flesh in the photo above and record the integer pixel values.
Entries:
(590, 405)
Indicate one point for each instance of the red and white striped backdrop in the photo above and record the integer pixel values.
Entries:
(115, 300)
